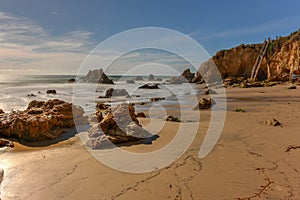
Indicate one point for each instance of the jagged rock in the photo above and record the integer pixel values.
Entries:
(51, 92)
(151, 77)
(119, 125)
(154, 99)
(188, 75)
(130, 81)
(97, 76)
(41, 120)
(111, 92)
(204, 104)
(273, 122)
(149, 86)
(140, 114)
(6, 143)
(171, 118)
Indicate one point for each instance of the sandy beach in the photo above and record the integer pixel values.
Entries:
(249, 161)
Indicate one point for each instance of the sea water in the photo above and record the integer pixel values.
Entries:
(16, 91)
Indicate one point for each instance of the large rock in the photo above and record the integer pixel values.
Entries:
(41, 120)
(97, 76)
(119, 125)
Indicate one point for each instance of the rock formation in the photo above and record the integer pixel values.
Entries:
(111, 92)
(97, 76)
(151, 77)
(41, 120)
(281, 60)
(204, 104)
(119, 125)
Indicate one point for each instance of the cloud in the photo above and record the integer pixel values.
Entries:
(25, 44)
(260, 28)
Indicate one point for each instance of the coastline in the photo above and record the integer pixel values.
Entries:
(249, 160)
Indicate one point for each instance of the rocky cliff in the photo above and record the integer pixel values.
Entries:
(279, 62)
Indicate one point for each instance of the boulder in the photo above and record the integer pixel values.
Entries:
(151, 77)
(97, 76)
(149, 86)
(41, 120)
(6, 143)
(119, 125)
(204, 104)
(51, 92)
(111, 92)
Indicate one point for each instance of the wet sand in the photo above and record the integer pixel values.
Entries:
(249, 161)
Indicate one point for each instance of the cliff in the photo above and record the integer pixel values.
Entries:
(279, 61)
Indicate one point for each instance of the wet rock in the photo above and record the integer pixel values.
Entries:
(6, 143)
(273, 122)
(31, 95)
(149, 86)
(171, 118)
(72, 80)
(51, 92)
(204, 104)
(111, 92)
(41, 120)
(155, 99)
(101, 106)
(140, 114)
(1, 111)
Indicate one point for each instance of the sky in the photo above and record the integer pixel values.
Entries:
(54, 37)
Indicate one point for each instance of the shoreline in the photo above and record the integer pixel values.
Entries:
(248, 160)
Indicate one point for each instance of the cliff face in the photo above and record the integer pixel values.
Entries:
(280, 60)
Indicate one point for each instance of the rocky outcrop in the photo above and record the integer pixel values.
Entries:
(151, 77)
(41, 120)
(119, 125)
(97, 76)
(280, 61)
(111, 92)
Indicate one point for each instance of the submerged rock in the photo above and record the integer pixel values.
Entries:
(41, 120)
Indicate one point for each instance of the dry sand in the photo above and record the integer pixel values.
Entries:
(249, 161)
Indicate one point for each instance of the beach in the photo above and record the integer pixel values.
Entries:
(251, 159)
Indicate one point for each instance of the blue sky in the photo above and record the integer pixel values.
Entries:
(53, 37)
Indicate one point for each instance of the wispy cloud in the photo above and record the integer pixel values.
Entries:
(259, 28)
(26, 44)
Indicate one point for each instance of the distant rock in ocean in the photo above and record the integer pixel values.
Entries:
(51, 92)
(111, 92)
(97, 76)
(151, 77)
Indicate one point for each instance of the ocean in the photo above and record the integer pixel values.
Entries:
(16, 91)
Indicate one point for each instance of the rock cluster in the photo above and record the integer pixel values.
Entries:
(97, 76)
(119, 125)
(41, 120)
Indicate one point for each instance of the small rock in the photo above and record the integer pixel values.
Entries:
(51, 92)
(149, 86)
(273, 122)
(239, 110)
(171, 119)
(292, 87)
(6, 143)
(72, 80)
(31, 95)
(111, 92)
(204, 104)
(154, 99)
